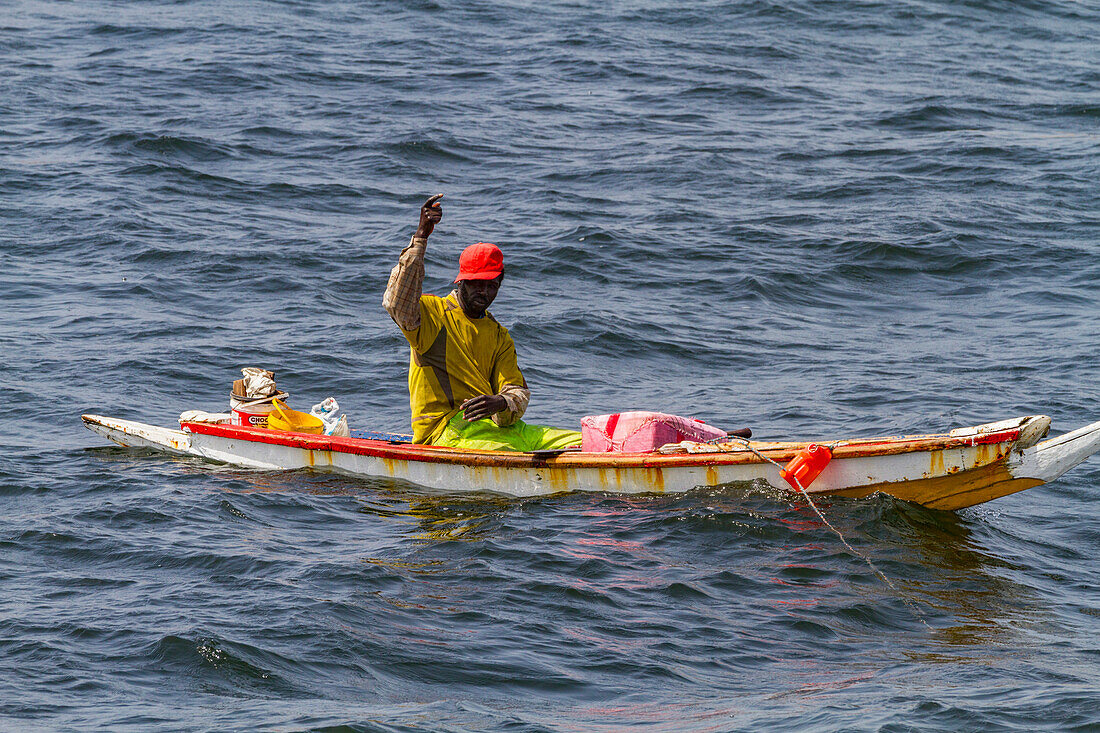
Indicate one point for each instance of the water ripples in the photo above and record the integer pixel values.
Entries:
(810, 219)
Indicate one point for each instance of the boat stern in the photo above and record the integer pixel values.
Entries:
(131, 434)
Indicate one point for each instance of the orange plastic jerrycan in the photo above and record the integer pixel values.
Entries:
(807, 466)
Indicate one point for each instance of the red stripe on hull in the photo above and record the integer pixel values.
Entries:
(779, 452)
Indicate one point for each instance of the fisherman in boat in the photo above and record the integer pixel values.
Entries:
(465, 386)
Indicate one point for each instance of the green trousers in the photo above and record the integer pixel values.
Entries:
(519, 436)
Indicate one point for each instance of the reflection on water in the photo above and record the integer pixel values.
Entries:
(439, 518)
(936, 558)
(611, 549)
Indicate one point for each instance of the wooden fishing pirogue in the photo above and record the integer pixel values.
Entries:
(953, 470)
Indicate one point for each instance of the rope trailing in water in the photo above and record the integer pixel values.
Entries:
(874, 568)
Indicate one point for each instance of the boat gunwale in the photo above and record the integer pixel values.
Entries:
(779, 452)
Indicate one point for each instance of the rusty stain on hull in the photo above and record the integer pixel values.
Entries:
(388, 463)
(949, 491)
(559, 478)
(936, 464)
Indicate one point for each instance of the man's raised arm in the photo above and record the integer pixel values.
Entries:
(402, 297)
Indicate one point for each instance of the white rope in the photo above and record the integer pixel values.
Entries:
(854, 551)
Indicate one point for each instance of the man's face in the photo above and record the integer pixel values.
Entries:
(478, 295)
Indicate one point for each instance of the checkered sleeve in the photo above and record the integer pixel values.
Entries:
(402, 297)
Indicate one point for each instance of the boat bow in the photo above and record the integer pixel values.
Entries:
(1049, 459)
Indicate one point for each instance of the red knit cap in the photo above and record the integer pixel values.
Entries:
(481, 261)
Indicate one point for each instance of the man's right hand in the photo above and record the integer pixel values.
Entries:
(430, 214)
(483, 406)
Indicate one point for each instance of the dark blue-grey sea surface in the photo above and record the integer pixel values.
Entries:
(814, 219)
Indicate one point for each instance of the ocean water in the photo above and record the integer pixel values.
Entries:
(815, 219)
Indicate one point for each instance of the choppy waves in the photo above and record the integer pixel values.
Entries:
(811, 219)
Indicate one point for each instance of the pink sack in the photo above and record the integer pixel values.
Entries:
(640, 432)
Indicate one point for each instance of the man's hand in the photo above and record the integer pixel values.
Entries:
(430, 214)
(482, 406)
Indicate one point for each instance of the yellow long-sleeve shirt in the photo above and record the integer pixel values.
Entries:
(453, 357)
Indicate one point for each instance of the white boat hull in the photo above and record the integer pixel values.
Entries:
(961, 472)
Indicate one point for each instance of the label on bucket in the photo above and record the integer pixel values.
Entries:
(250, 419)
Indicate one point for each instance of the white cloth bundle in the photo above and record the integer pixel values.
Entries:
(204, 416)
(258, 383)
